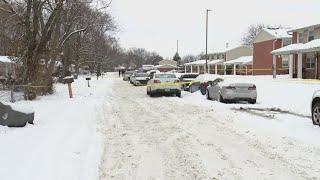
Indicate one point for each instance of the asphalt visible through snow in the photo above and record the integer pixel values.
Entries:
(157, 138)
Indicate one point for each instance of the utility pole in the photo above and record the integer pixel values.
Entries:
(207, 12)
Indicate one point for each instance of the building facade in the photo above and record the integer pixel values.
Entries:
(303, 54)
(266, 41)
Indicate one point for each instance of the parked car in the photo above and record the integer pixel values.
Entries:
(186, 80)
(224, 90)
(163, 83)
(201, 83)
(315, 108)
(140, 78)
(127, 75)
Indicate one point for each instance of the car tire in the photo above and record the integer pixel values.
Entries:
(208, 95)
(316, 113)
(178, 94)
(253, 101)
(220, 99)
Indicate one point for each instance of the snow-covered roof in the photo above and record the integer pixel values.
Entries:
(241, 60)
(6, 59)
(199, 62)
(278, 33)
(300, 27)
(217, 61)
(295, 48)
(165, 66)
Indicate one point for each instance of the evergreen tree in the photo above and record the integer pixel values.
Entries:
(177, 58)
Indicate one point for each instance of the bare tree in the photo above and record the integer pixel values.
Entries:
(252, 32)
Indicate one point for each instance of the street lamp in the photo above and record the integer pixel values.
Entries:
(206, 71)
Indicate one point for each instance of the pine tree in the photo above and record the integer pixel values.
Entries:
(177, 58)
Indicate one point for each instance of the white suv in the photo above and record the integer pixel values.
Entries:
(315, 108)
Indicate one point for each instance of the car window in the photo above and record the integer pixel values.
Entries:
(141, 75)
(189, 76)
(165, 76)
(129, 72)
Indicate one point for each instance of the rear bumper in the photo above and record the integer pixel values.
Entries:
(166, 91)
(239, 96)
(141, 82)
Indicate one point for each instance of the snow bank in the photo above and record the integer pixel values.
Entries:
(285, 93)
(64, 143)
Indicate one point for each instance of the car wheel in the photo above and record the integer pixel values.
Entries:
(148, 92)
(178, 94)
(220, 98)
(316, 114)
(208, 95)
(253, 101)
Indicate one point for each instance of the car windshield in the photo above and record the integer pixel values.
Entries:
(141, 75)
(165, 76)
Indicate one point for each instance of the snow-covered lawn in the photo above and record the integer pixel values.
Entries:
(284, 93)
(64, 143)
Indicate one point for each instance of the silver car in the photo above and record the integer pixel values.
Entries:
(140, 79)
(224, 91)
(315, 108)
(164, 83)
(127, 75)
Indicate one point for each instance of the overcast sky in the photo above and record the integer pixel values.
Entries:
(156, 25)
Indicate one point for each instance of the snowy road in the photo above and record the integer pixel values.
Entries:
(169, 138)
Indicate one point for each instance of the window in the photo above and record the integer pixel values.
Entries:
(311, 61)
(286, 42)
(300, 38)
(285, 61)
(311, 36)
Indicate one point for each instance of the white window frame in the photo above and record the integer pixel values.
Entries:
(310, 57)
(309, 35)
(299, 36)
(285, 58)
(290, 42)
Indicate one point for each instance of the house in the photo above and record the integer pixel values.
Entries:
(241, 65)
(217, 61)
(267, 40)
(304, 53)
(195, 66)
(6, 66)
(167, 65)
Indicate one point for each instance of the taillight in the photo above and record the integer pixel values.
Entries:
(157, 81)
(230, 87)
(253, 87)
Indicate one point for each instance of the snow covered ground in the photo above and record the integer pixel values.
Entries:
(113, 130)
(193, 138)
(64, 143)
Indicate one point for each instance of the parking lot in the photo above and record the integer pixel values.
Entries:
(193, 138)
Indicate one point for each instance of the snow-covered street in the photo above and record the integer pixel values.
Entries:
(192, 138)
(113, 130)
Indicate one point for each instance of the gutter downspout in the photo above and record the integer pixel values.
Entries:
(274, 63)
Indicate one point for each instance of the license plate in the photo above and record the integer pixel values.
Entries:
(166, 90)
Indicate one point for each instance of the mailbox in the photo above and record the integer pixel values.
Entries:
(88, 79)
(68, 80)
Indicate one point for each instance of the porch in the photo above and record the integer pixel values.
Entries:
(303, 60)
